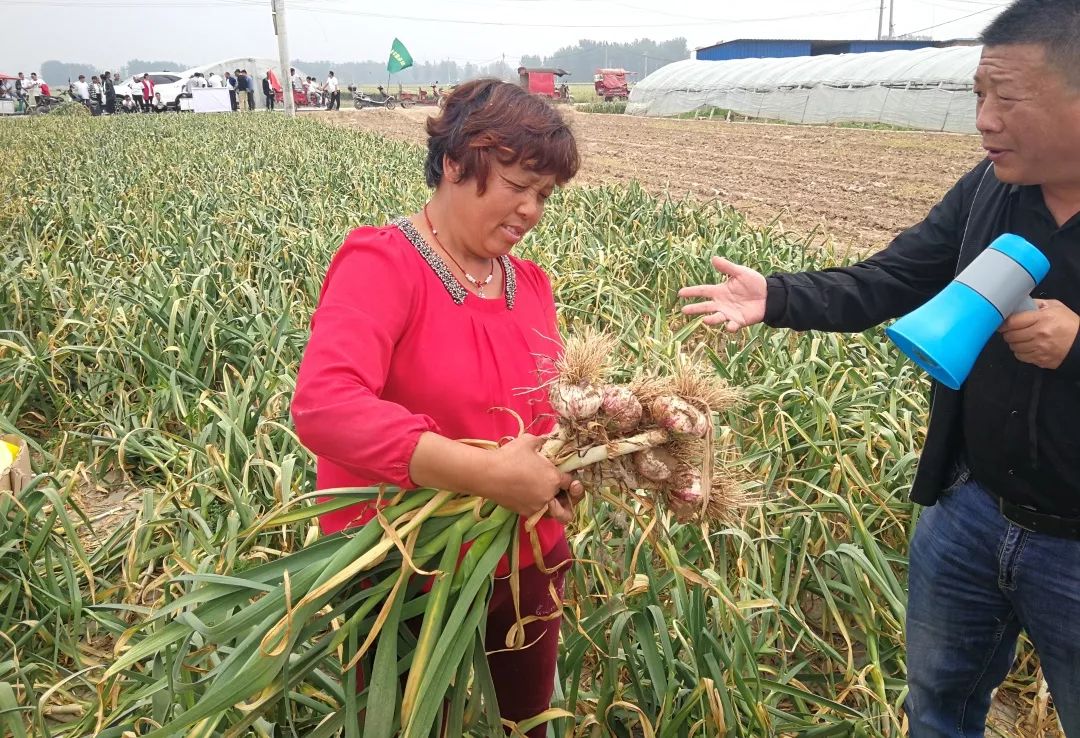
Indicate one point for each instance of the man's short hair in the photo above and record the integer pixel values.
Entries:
(1052, 24)
(82, 76)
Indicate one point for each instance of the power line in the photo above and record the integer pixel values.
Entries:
(506, 24)
(954, 20)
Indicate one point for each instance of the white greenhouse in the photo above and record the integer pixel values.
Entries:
(927, 88)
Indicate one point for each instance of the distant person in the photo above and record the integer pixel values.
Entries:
(147, 85)
(241, 90)
(97, 95)
(268, 91)
(296, 80)
(32, 90)
(213, 80)
(333, 95)
(230, 83)
(249, 89)
(109, 93)
(80, 90)
(312, 90)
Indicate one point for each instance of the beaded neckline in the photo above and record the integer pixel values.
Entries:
(452, 285)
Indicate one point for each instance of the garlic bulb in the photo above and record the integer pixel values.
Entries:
(684, 493)
(622, 408)
(654, 464)
(679, 416)
(575, 401)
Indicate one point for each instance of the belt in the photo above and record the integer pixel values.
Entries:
(1037, 522)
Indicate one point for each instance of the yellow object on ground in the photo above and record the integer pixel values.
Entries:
(8, 452)
(15, 470)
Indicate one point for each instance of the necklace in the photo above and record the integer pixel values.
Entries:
(476, 283)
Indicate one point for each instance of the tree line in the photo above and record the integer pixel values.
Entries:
(584, 58)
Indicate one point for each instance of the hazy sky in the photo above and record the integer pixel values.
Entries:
(110, 32)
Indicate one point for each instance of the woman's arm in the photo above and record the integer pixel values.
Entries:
(515, 476)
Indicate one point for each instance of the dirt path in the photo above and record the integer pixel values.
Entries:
(859, 187)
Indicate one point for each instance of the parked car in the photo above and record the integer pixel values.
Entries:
(170, 85)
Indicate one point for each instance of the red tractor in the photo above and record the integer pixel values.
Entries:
(541, 81)
(610, 84)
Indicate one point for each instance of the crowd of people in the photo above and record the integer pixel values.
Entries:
(31, 91)
(100, 95)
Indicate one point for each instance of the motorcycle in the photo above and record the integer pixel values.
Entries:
(378, 100)
(46, 103)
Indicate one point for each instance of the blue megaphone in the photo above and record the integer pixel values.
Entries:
(947, 334)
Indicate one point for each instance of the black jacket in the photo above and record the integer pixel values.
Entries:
(918, 264)
(267, 90)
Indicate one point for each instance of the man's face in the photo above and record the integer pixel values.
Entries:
(33, 75)
(1029, 116)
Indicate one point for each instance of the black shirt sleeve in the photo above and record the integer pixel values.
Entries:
(1070, 366)
(913, 268)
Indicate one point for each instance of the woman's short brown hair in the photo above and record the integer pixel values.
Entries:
(488, 117)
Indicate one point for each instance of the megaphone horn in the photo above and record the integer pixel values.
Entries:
(946, 335)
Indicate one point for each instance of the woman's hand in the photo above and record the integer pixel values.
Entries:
(521, 479)
(515, 476)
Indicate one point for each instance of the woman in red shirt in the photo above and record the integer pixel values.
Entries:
(428, 329)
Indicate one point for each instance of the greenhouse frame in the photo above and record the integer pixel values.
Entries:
(928, 89)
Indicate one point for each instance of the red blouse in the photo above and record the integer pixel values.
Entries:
(398, 347)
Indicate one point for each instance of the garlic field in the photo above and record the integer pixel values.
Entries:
(158, 274)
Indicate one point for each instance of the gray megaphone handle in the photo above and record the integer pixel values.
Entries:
(1001, 281)
(1026, 304)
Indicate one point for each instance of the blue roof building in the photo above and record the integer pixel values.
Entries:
(764, 48)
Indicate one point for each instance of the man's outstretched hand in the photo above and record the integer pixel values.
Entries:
(737, 302)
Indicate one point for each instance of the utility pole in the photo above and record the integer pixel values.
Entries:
(646, 58)
(891, 4)
(880, 19)
(278, 9)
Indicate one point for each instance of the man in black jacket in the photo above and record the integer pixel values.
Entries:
(998, 548)
(268, 91)
(109, 92)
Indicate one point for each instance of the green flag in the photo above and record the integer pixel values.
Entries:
(399, 58)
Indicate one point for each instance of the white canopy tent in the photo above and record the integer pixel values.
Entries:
(255, 66)
(926, 88)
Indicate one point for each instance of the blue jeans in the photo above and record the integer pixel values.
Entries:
(975, 580)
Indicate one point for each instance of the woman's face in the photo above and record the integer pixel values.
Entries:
(491, 224)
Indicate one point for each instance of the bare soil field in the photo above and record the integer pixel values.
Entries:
(855, 187)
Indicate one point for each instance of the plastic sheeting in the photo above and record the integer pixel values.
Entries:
(926, 88)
